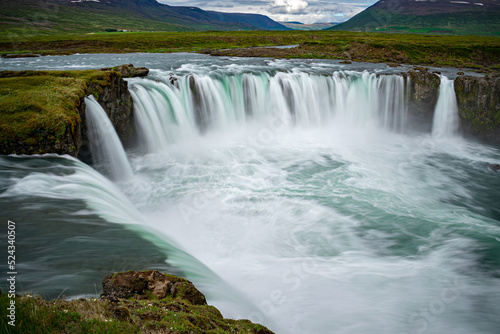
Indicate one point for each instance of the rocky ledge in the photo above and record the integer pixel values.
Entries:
(131, 302)
(44, 111)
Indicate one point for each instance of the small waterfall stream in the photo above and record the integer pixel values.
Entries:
(107, 150)
(445, 122)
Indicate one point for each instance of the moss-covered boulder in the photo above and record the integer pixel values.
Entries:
(478, 100)
(142, 283)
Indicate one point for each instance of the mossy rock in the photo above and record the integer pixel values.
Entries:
(142, 284)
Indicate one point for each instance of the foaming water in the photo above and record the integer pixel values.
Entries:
(77, 181)
(332, 230)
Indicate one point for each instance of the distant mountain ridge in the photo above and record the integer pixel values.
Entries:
(53, 16)
(428, 16)
(312, 26)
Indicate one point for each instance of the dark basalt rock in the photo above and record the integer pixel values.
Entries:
(140, 283)
(423, 95)
(494, 167)
(478, 100)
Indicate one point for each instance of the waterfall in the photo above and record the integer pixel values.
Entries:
(107, 151)
(197, 103)
(445, 122)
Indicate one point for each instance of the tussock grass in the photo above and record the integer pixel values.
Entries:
(169, 315)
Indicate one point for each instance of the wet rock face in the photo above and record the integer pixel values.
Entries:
(117, 102)
(114, 97)
(140, 283)
(423, 95)
(478, 100)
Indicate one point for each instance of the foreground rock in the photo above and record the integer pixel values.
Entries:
(131, 302)
(141, 283)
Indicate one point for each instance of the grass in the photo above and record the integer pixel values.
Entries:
(39, 109)
(32, 17)
(436, 50)
(168, 315)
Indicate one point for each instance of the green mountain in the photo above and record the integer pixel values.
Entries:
(477, 17)
(30, 17)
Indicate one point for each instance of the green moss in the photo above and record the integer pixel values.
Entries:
(40, 108)
(35, 315)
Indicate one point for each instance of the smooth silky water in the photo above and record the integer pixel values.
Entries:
(292, 193)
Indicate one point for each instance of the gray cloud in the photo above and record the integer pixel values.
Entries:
(306, 11)
(287, 7)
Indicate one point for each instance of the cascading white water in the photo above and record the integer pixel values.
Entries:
(172, 108)
(445, 122)
(106, 148)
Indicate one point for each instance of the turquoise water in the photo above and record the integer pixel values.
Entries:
(309, 224)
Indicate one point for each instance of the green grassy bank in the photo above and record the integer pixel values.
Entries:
(432, 50)
(40, 110)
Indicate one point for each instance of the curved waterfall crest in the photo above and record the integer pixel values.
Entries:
(196, 103)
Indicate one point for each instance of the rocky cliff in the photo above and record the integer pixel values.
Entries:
(423, 92)
(44, 111)
(478, 100)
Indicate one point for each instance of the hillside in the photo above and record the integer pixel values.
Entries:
(424, 16)
(34, 17)
(312, 26)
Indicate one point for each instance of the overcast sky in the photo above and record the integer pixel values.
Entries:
(305, 11)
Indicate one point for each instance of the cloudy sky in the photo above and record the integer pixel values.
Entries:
(305, 11)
